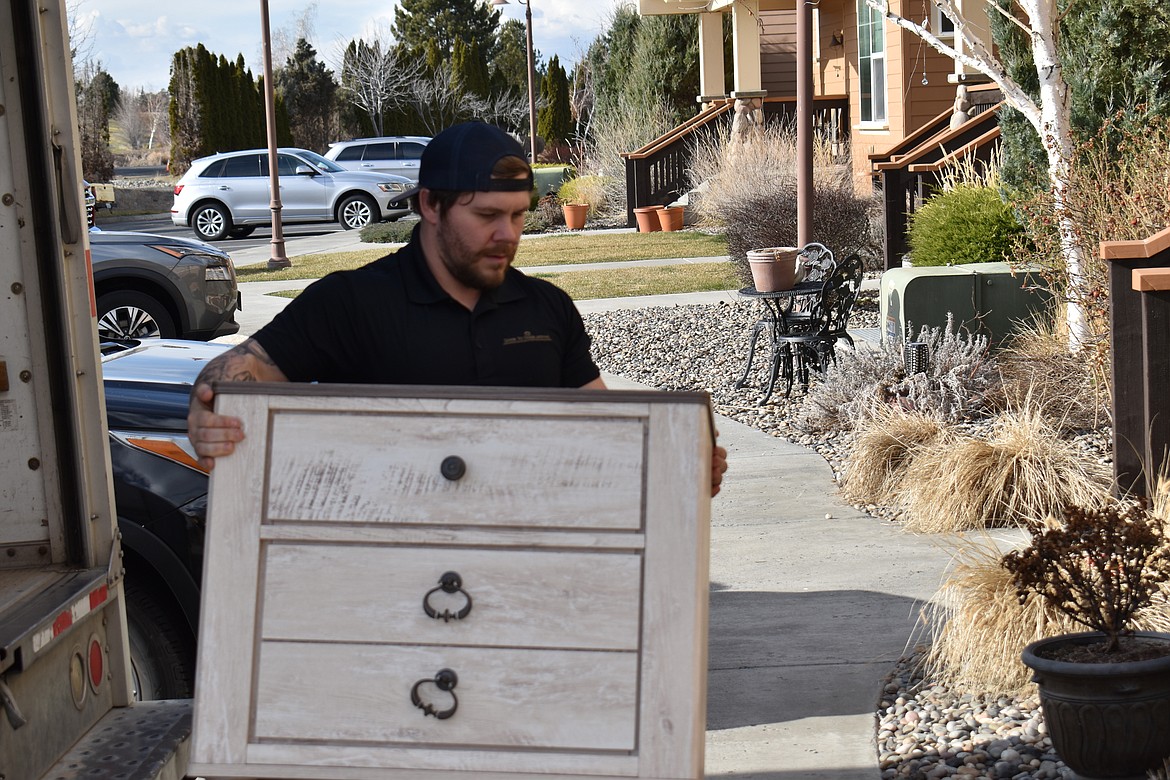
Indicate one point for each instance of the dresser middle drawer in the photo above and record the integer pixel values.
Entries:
(392, 594)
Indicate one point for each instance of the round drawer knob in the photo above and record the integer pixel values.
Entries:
(453, 467)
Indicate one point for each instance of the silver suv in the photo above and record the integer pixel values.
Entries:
(398, 154)
(227, 194)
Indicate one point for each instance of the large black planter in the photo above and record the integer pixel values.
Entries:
(1106, 720)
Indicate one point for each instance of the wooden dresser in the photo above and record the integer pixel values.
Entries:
(450, 583)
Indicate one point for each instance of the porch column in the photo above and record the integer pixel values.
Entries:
(748, 94)
(712, 80)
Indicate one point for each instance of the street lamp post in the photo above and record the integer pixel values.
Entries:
(531, 75)
(278, 258)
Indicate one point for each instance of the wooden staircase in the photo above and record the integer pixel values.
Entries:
(909, 172)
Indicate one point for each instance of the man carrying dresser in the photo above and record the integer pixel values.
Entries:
(446, 309)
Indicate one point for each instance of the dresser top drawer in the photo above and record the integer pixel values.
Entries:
(564, 472)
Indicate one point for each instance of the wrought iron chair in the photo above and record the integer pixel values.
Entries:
(808, 341)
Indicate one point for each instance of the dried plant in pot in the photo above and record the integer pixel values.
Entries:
(1105, 693)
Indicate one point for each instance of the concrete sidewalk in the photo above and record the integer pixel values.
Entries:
(811, 603)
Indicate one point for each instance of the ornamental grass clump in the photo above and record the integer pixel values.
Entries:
(978, 624)
(1023, 470)
(1100, 566)
(883, 446)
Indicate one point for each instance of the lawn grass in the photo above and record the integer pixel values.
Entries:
(627, 282)
(561, 249)
(571, 248)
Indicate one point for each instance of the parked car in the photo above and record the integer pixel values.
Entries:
(150, 286)
(161, 498)
(398, 154)
(227, 195)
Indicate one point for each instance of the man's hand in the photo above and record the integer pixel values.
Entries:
(215, 435)
(718, 467)
(212, 435)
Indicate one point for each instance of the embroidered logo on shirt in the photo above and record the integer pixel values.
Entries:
(528, 338)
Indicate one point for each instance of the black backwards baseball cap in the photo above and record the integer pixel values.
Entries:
(461, 159)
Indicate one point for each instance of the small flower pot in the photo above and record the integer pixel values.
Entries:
(773, 268)
(671, 218)
(575, 214)
(647, 217)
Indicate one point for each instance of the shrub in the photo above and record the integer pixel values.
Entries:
(961, 381)
(546, 214)
(967, 224)
(749, 190)
(387, 232)
(1100, 566)
(586, 189)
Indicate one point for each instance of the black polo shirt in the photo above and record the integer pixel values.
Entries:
(390, 322)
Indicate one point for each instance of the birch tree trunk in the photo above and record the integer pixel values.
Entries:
(1050, 116)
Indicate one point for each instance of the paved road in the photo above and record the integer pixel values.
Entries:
(161, 225)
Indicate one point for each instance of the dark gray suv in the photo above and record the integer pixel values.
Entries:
(399, 154)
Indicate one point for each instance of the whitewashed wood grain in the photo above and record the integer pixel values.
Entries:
(223, 675)
(561, 700)
(520, 471)
(518, 598)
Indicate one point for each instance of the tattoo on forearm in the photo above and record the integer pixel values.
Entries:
(235, 365)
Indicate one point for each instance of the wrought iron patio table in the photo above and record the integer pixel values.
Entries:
(775, 310)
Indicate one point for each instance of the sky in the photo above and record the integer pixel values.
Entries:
(135, 40)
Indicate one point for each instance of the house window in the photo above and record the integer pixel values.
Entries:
(940, 25)
(871, 55)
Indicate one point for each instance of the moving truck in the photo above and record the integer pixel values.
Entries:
(65, 689)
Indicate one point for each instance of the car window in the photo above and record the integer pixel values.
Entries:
(351, 153)
(380, 152)
(244, 165)
(409, 150)
(214, 171)
(286, 165)
(322, 163)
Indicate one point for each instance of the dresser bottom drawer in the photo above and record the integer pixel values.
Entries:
(503, 698)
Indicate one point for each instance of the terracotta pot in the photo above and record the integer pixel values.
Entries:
(671, 218)
(773, 268)
(1105, 719)
(575, 214)
(647, 217)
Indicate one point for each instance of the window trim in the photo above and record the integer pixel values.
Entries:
(882, 120)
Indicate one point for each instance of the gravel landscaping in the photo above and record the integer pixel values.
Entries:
(922, 730)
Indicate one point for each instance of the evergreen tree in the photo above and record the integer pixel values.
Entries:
(418, 22)
(98, 96)
(309, 93)
(510, 65)
(469, 69)
(555, 120)
(1115, 55)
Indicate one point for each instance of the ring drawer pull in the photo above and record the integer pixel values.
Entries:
(453, 468)
(444, 680)
(450, 582)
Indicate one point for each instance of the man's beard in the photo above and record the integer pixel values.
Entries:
(460, 261)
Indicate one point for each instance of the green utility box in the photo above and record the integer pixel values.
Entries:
(986, 297)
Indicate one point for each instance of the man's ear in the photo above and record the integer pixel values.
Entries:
(427, 210)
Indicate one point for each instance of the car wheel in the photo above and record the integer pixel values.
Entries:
(129, 314)
(357, 211)
(243, 231)
(211, 221)
(162, 658)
